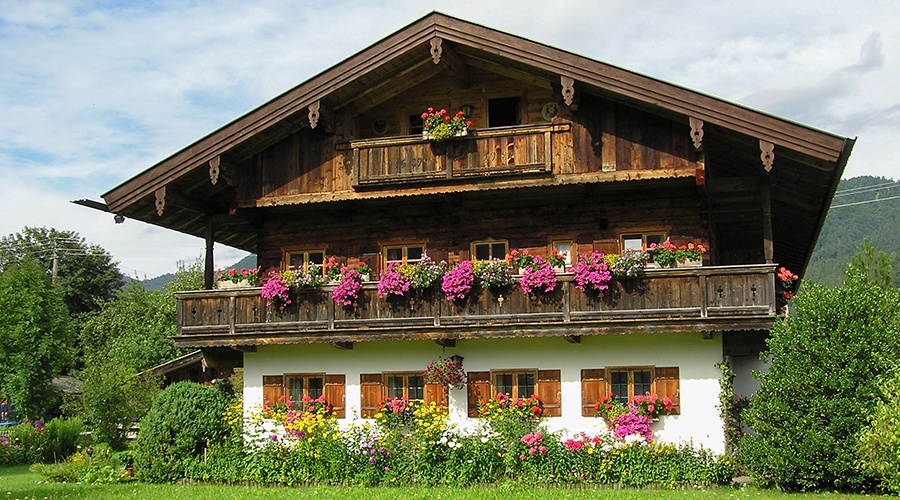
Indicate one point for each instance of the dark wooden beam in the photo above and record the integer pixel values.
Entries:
(445, 342)
(573, 339)
(244, 348)
(452, 65)
(346, 346)
(208, 263)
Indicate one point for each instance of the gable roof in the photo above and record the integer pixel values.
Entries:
(370, 76)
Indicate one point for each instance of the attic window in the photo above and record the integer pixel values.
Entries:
(503, 112)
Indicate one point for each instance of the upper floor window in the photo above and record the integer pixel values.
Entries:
(489, 250)
(408, 385)
(641, 241)
(503, 112)
(302, 260)
(403, 254)
(564, 247)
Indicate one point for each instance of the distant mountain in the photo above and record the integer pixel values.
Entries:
(159, 282)
(863, 207)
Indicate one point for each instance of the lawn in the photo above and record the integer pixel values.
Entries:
(18, 483)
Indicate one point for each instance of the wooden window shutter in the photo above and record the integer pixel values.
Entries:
(549, 390)
(593, 387)
(273, 388)
(436, 393)
(667, 385)
(335, 394)
(370, 394)
(479, 388)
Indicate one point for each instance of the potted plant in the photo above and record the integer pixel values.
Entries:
(493, 274)
(346, 293)
(439, 125)
(276, 289)
(538, 277)
(628, 264)
(332, 270)
(457, 282)
(447, 372)
(365, 271)
(557, 261)
(690, 254)
(237, 279)
(663, 254)
(591, 273)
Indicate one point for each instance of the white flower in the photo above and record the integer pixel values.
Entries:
(443, 440)
(484, 439)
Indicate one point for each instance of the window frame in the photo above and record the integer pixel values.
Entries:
(554, 247)
(406, 386)
(305, 252)
(305, 377)
(644, 234)
(404, 249)
(515, 383)
(490, 242)
(630, 370)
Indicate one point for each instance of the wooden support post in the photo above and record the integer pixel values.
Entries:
(209, 265)
(768, 245)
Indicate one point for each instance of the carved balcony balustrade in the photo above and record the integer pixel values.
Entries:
(703, 299)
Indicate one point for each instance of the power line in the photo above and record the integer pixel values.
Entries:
(849, 191)
(867, 201)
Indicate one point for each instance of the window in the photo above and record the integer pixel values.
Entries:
(489, 250)
(299, 385)
(301, 260)
(516, 384)
(564, 247)
(408, 385)
(546, 384)
(626, 382)
(405, 254)
(415, 124)
(375, 387)
(641, 241)
(503, 112)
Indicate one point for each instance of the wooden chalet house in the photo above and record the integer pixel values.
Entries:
(564, 153)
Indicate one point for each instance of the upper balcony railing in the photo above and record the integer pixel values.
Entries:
(516, 150)
(690, 299)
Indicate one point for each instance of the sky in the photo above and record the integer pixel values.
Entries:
(94, 92)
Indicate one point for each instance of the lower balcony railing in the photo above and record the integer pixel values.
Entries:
(690, 299)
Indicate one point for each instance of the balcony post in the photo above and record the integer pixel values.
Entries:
(208, 268)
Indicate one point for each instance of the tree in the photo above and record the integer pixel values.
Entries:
(129, 335)
(828, 359)
(874, 266)
(86, 274)
(35, 338)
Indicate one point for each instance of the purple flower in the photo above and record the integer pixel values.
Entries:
(591, 273)
(347, 291)
(539, 277)
(458, 281)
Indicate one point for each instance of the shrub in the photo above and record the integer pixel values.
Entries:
(183, 419)
(96, 466)
(827, 358)
(879, 443)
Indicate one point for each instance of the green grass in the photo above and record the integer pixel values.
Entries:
(18, 483)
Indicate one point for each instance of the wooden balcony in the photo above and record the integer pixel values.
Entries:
(502, 151)
(703, 299)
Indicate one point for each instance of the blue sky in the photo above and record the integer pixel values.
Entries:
(94, 92)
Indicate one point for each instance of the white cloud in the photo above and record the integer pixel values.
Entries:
(94, 92)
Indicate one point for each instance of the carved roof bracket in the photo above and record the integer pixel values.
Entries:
(314, 114)
(767, 154)
(214, 169)
(697, 132)
(160, 200)
(436, 49)
(568, 89)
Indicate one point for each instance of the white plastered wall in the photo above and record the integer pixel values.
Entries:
(699, 422)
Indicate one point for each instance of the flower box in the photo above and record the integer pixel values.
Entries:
(689, 263)
(225, 285)
(459, 133)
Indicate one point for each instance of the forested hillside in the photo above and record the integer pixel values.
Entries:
(864, 207)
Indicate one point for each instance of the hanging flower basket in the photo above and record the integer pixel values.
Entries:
(447, 372)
